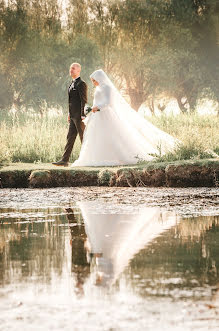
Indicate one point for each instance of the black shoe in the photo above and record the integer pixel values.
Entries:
(60, 163)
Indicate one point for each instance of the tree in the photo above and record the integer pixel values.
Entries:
(164, 47)
(77, 18)
(147, 47)
(36, 55)
(139, 24)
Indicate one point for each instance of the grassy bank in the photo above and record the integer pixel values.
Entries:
(34, 139)
(188, 173)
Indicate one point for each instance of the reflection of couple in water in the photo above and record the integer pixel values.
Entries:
(105, 243)
(80, 265)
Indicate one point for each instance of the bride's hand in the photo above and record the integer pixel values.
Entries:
(94, 109)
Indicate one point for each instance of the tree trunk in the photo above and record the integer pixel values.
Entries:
(180, 104)
(191, 101)
(151, 105)
(136, 99)
(137, 95)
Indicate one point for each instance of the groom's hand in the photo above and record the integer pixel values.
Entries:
(68, 118)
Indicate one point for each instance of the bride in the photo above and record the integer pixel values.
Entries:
(115, 134)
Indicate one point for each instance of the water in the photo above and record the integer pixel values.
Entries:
(97, 265)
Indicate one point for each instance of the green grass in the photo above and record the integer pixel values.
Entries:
(199, 135)
(34, 140)
(150, 165)
(28, 138)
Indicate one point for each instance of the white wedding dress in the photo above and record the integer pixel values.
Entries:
(117, 134)
(114, 239)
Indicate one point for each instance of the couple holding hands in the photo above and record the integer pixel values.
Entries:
(112, 133)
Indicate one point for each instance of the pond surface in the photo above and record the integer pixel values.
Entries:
(124, 259)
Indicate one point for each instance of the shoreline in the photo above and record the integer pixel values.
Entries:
(188, 173)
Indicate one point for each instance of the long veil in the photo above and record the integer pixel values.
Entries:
(117, 237)
(159, 141)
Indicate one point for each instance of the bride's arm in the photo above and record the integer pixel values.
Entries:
(104, 98)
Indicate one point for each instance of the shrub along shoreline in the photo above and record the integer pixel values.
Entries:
(190, 173)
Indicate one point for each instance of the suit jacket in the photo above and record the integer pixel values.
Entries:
(77, 98)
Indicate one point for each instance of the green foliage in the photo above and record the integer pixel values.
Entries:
(164, 47)
(186, 152)
(104, 177)
(35, 55)
(6, 91)
(148, 47)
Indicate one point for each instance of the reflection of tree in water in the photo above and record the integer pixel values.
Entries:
(193, 227)
(80, 266)
(203, 230)
(185, 257)
(7, 235)
(31, 247)
(179, 255)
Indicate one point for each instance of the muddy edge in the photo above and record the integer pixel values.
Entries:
(200, 173)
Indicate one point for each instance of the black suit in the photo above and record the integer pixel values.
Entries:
(77, 98)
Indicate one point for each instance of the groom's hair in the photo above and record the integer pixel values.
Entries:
(76, 64)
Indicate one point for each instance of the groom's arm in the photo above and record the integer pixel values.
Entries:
(82, 89)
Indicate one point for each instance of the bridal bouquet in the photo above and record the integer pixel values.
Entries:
(88, 109)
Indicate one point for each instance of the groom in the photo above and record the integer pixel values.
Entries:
(77, 98)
